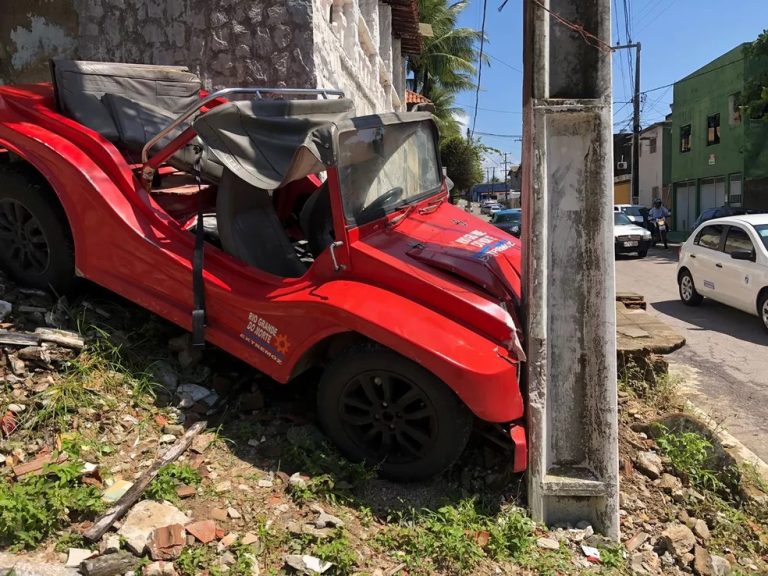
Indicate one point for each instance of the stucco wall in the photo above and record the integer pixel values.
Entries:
(651, 165)
(355, 51)
(295, 43)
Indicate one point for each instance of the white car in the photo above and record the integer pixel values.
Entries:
(726, 259)
(629, 237)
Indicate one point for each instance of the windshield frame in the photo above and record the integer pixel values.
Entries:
(384, 121)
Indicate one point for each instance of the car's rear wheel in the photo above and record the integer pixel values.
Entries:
(762, 308)
(385, 410)
(35, 243)
(688, 293)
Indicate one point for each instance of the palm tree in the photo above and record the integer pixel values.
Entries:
(445, 111)
(448, 57)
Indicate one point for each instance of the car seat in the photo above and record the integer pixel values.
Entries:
(316, 220)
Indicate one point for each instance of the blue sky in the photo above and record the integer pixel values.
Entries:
(677, 37)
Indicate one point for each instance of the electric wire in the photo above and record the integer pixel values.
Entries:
(479, 66)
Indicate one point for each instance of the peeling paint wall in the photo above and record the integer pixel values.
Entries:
(283, 43)
(32, 32)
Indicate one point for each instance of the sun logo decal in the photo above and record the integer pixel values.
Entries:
(281, 344)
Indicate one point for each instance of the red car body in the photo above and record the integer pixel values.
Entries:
(431, 282)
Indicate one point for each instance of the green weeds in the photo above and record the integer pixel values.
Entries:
(454, 539)
(35, 507)
(202, 559)
(689, 453)
(168, 478)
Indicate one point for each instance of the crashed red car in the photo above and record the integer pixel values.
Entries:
(280, 227)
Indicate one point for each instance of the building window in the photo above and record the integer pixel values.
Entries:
(713, 129)
(652, 145)
(734, 190)
(685, 138)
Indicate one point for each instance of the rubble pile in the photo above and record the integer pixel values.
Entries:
(247, 483)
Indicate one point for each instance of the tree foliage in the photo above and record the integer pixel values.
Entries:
(755, 96)
(462, 159)
(447, 62)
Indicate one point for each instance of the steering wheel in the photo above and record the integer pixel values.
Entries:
(389, 197)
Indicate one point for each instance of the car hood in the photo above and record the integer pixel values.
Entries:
(452, 261)
(627, 229)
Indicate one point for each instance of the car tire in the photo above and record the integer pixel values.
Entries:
(643, 253)
(35, 241)
(687, 289)
(762, 308)
(387, 411)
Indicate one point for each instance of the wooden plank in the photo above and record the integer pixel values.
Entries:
(18, 338)
(127, 500)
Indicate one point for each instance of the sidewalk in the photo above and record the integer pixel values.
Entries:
(638, 331)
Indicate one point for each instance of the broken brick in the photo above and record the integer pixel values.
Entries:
(166, 543)
(185, 491)
(203, 530)
(219, 514)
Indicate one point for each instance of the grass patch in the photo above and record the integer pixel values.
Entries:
(36, 507)
(454, 539)
(338, 551)
(332, 477)
(689, 453)
(202, 559)
(658, 390)
(168, 478)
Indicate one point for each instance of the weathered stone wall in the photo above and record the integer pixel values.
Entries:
(343, 44)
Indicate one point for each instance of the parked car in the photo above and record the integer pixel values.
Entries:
(637, 214)
(490, 207)
(508, 220)
(720, 212)
(629, 237)
(227, 228)
(726, 259)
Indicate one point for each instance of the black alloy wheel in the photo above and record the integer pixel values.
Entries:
(391, 413)
(35, 241)
(26, 245)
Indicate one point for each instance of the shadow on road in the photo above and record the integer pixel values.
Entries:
(717, 318)
(655, 255)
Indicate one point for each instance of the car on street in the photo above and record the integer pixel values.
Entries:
(720, 212)
(726, 259)
(637, 214)
(508, 220)
(490, 207)
(628, 237)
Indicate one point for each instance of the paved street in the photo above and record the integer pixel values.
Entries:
(725, 360)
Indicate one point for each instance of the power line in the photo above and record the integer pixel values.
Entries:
(515, 136)
(692, 76)
(666, 7)
(479, 66)
(500, 61)
(471, 106)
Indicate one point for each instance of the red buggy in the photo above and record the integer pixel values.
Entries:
(280, 227)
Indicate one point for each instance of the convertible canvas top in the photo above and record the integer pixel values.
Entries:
(269, 143)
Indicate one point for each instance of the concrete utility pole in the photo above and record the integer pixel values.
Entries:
(635, 123)
(568, 264)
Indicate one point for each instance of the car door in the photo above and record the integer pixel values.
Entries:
(739, 278)
(705, 254)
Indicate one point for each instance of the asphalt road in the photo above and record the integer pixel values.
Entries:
(725, 359)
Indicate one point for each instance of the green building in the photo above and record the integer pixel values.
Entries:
(719, 155)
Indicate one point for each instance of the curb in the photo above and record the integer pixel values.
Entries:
(740, 453)
(11, 564)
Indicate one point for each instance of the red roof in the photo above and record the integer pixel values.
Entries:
(412, 97)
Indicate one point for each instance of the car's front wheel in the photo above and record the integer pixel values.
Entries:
(688, 293)
(643, 253)
(383, 409)
(762, 308)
